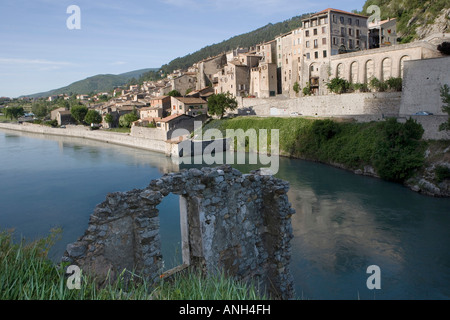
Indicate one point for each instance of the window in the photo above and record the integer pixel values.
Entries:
(315, 32)
(307, 33)
(350, 31)
(358, 33)
(308, 56)
(324, 53)
(342, 31)
(307, 44)
(324, 30)
(357, 43)
(350, 44)
(357, 22)
(350, 21)
(334, 41)
(341, 19)
(342, 41)
(316, 55)
(324, 40)
(316, 43)
(307, 24)
(334, 18)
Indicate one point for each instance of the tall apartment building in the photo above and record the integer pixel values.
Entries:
(328, 33)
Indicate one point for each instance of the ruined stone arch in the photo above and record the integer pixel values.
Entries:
(386, 69)
(401, 64)
(247, 238)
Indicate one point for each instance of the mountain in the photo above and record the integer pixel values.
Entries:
(98, 83)
(266, 33)
(416, 19)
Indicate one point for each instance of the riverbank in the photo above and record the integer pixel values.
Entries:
(373, 149)
(123, 139)
(388, 150)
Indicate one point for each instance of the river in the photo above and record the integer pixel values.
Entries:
(343, 224)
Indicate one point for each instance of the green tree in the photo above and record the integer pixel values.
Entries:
(219, 103)
(296, 87)
(174, 93)
(14, 112)
(92, 116)
(40, 109)
(109, 119)
(79, 113)
(125, 121)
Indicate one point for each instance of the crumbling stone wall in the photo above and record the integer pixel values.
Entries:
(238, 223)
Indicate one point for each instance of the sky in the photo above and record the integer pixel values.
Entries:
(40, 49)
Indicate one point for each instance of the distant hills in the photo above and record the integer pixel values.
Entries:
(98, 83)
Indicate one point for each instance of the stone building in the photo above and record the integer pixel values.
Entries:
(189, 106)
(207, 69)
(326, 34)
(382, 33)
(263, 80)
(183, 83)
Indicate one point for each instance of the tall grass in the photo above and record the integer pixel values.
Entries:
(26, 273)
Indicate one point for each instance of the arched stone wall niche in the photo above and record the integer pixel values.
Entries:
(238, 223)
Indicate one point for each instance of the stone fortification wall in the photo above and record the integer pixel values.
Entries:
(332, 105)
(97, 135)
(424, 79)
(240, 223)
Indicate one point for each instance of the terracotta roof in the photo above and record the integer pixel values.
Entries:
(340, 11)
(188, 100)
(172, 117)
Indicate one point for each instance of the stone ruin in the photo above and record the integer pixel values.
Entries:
(238, 223)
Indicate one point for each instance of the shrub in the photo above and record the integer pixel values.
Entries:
(307, 90)
(362, 87)
(399, 151)
(442, 173)
(394, 84)
(338, 85)
(444, 48)
(377, 85)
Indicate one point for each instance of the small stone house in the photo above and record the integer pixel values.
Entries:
(189, 106)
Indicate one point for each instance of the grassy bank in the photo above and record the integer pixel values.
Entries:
(395, 150)
(26, 273)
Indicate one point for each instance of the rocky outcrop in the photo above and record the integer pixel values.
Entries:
(238, 223)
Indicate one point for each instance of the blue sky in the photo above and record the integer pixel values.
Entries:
(39, 53)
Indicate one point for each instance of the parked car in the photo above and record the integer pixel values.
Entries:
(423, 113)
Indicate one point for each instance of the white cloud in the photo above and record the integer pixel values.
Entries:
(36, 62)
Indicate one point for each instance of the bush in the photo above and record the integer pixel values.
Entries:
(307, 90)
(444, 48)
(394, 84)
(442, 173)
(362, 87)
(399, 151)
(338, 85)
(125, 121)
(377, 85)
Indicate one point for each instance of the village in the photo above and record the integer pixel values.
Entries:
(331, 44)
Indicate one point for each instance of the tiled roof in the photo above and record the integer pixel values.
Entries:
(188, 100)
(340, 11)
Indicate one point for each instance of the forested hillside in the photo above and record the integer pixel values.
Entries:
(415, 18)
(266, 33)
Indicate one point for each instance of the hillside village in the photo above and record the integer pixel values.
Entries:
(301, 63)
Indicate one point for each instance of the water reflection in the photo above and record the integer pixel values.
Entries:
(343, 223)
